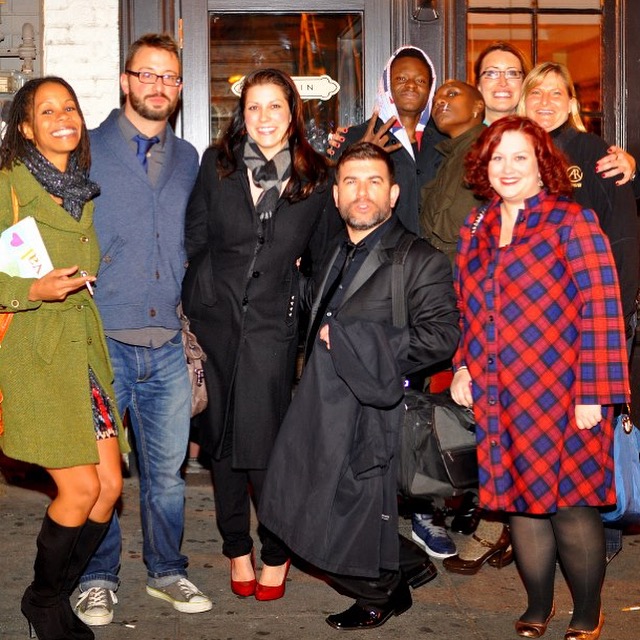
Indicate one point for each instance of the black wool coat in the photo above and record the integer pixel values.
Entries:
(331, 486)
(241, 295)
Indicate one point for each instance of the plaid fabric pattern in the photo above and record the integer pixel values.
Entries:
(542, 331)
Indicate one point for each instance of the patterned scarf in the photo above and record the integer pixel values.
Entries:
(269, 176)
(387, 107)
(73, 186)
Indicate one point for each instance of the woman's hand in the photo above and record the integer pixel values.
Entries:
(617, 161)
(56, 285)
(335, 139)
(588, 415)
(461, 388)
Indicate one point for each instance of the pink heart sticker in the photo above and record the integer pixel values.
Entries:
(16, 240)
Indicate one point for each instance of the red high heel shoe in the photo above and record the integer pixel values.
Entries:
(264, 592)
(244, 588)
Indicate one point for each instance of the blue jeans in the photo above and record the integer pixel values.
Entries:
(153, 385)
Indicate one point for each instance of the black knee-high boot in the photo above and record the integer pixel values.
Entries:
(88, 541)
(42, 600)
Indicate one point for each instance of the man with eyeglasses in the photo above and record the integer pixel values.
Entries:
(146, 174)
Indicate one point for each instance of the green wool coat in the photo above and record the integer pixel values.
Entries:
(49, 346)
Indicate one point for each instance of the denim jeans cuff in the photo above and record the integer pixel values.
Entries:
(103, 580)
(159, 581)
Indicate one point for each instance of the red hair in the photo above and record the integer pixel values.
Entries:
(552, 163)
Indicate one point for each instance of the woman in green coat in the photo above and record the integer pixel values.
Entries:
(55, 374)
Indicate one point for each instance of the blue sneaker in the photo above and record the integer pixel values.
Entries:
(433, 538)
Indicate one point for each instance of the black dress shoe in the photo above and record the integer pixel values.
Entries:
(421, 574)
(359, 617)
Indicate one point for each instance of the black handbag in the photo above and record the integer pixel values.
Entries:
(437, 447)
(437, 444)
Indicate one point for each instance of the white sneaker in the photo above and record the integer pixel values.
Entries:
(183, 595)
(95, 606)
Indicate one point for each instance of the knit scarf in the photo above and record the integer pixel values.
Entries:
(269, 176)
(73, 186)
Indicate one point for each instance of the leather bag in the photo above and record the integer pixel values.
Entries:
(437, 452)
(195, 358)
(437, 444)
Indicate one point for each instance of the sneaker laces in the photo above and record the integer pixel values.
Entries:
(188, 589)
(97, 597)
(435, 530)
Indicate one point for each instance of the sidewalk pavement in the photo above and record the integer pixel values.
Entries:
(451, 607)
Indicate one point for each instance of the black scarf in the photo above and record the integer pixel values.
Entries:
(269, 175)
(73, 186)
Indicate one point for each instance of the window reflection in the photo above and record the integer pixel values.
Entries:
(566, 31)
(302, 44)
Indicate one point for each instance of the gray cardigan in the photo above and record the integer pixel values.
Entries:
(140, 229)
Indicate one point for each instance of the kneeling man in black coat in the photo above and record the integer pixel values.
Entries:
(330, 491)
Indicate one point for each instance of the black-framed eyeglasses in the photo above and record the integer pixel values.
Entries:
(509, 74)
(146, 77)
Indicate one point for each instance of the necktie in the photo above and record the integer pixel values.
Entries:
(144, 144)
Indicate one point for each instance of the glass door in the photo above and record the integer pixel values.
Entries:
(321, 44)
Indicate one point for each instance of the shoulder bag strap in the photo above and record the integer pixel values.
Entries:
(398, 303)
(5, 318)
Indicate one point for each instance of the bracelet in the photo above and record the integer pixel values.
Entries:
(461, 367)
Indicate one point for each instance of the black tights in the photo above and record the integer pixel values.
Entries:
(576, 535)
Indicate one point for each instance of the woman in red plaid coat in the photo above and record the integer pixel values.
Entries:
(542, 360)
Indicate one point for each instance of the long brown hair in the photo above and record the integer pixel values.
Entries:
(308, 168)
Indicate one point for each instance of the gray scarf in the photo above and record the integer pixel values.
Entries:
(269, 176)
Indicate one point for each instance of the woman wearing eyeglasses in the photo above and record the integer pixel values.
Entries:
(500, 70)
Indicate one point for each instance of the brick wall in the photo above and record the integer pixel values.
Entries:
(80, 42)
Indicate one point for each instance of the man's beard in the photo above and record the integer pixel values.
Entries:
(359, 224)
(141, 108)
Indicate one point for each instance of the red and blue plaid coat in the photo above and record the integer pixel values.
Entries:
(542, 331)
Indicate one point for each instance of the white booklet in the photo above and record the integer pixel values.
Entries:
(22, 251)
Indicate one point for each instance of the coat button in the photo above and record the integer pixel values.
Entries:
(89, 340)
(255, 274)
(245, 301)
(15, 304)
(84, 239)
(152, 313)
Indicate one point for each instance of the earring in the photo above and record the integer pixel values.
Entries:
(540, 183)
(475, 114)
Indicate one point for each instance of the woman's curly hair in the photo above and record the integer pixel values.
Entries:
(552, 163)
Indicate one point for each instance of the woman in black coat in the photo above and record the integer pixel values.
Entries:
(257, 205)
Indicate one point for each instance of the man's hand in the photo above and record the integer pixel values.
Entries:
(461, 388)
(324, 335)
(588, 415)
(381, 136)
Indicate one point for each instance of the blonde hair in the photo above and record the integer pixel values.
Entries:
(537, 75)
